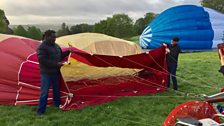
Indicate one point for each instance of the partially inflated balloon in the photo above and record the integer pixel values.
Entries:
(197, 27)
(100, 75)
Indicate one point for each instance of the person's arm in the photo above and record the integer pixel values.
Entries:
(65, 54)
(167, 49)
(43, 58)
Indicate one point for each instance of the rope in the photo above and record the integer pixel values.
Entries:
(69, 92)
(146, 96)
(198, 77)
(131, 121)
(158, 71)
(183, 93)
(205, 86)
(156, 85)
(191, 95)
(136, 76)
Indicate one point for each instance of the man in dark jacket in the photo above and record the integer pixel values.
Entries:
(172, 53)
(50, 56)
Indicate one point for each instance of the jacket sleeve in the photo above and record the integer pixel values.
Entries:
(175, 52)
(64, 54)
(43, 58)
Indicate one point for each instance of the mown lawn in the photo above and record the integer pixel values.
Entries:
(197, 74)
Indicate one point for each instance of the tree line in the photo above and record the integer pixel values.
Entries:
(30, 32)
(214, 4)
(119, 25)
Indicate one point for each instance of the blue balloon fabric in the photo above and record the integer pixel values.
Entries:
(197, 27)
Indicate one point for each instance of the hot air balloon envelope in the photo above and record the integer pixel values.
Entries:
(197, 27)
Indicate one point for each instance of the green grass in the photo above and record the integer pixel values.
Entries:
(197, 73)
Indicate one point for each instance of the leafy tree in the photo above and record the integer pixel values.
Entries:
(63, 31)
(3, 25)
(80, 28)
(75, 29)
(214, 4)
(4, 22)
(149, 17)
(100, 27)
(139, 26)
(123, 25)
(142, 23)
(120, 25)
(21, 31)
(34, 33)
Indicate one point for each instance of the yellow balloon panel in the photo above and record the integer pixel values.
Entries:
(100, 44)
(78, 71)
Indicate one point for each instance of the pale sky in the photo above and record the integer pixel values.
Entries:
(81, 11)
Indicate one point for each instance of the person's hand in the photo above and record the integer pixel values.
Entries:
(66, 63)
(164, 44)
(60, 64)
(70, 49)
(167, 51)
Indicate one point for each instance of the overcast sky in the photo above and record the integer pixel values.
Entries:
(81, 11)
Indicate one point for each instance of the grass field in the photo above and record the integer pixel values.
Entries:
(197, 74)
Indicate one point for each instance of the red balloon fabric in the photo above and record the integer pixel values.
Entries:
(13, 52)
(20, 76)
(152, 79)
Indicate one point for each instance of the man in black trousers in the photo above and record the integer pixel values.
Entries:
(172, 53)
